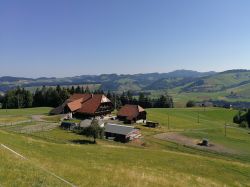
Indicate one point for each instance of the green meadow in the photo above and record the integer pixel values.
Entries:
(25, 111)
(157, 163)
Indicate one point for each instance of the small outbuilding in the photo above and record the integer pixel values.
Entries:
(121, 133)
(132, 113)
(152, 124)
(68, 125)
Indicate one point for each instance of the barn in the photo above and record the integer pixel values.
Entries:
(132, 113)
(121, 133)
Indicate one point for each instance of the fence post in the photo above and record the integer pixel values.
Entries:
(168, 122)
(225, 129)
(198, 117)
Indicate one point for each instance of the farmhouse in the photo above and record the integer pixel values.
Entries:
(121, 132)
(85, 105)
(131, 113)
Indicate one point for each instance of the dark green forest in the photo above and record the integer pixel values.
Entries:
(55, 96)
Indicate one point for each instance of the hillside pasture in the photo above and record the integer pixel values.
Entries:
(77, 160)
(16, 116)
(12, 119)
(211, 126)
(25, 111)
(118, 165)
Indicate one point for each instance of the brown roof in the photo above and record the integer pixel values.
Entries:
(86, 103)
(130, 111)
(91, 105)
(75, 105)
(79, 96)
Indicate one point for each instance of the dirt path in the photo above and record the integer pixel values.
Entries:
(192, 142)
(37, 117)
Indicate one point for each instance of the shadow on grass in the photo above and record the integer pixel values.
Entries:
(82, 142)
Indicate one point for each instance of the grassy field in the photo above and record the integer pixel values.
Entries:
(25, 112)
(55, 118)
(159, 163)
(209, 123)
(12, 119)
(181, 98)
(18, 115)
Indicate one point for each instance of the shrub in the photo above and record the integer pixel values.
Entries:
(94, 130)
(190, 104)
(243, 124)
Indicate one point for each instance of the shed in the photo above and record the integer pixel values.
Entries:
(121, 133)
(152, 124)
(68, 125)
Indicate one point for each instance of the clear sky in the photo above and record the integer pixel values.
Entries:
(75, 37)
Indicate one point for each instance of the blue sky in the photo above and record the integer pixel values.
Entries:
(75, 37)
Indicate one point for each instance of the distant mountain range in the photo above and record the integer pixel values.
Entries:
(235, 81)
(183, 85)
(113, 82)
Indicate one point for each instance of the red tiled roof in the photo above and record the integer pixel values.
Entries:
(75, 105)
(84, 97)
(86, 103)
(91, 105)
(130, 111)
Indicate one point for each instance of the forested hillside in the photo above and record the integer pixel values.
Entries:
(183, 85)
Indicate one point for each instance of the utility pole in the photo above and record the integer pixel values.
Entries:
(225, 129)
(168, 121)
(198, 117)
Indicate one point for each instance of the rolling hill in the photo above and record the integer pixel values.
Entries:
(219, 82)
(53, 157)
(112, 82)
(231, 85)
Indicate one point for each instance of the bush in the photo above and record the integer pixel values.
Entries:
(243, 124)
(238, 118)
(94, 130)
(242, 118)
(190, 104)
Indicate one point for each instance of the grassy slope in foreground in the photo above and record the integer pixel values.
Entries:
(114, 165)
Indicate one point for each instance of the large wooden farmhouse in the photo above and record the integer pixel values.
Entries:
(85, 105)
(132, 113)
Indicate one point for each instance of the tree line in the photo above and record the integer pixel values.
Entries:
(55, 96)
(163, 101)
(243, 118)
